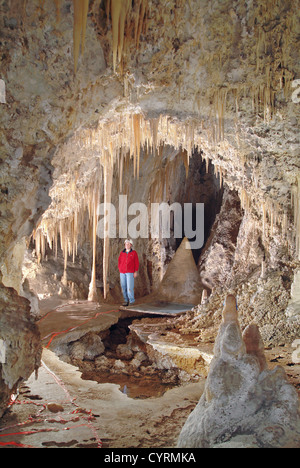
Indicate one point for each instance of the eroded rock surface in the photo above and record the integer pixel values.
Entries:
(19, 343)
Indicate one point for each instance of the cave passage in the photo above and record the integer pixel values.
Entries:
(65, 273)
(126, 360)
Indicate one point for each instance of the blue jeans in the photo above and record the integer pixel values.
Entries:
(127, 285)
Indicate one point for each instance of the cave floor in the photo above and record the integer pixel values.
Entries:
(91, 415)
(62, 409)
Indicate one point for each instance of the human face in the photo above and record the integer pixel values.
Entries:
(127, 245)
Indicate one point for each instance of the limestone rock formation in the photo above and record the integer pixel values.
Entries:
(181, 282)
(217, 258)
(19, 343)
(244, 404)
(88, 347)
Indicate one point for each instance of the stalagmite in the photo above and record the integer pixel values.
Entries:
(181, 282)
(254, 344)
(108, 175)
(230, 313)
(93, 289)
(244, 404)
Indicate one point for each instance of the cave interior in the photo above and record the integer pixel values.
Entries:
(109, 108)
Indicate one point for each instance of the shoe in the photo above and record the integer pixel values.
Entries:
(125, 304)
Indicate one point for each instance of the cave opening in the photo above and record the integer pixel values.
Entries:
(53, 268)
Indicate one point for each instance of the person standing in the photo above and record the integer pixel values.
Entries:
(128, 264)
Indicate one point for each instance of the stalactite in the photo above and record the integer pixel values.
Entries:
(136, 118)
(124, 17)
(2, 92)
(264, 213)
(220, 97)
(85, 9)
(245, 200)
(116, 7)
(55, 242)
(64, 248)
(58, 5)
(154, 130)
(79, 29)
(142, 13)
(185, 158)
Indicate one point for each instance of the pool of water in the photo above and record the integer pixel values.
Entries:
(134, 387)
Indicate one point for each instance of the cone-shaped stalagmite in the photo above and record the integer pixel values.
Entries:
(181, 282)
(244, 404)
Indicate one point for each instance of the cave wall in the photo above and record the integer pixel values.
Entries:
(231, 68)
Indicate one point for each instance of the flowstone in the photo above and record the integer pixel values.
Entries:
(244, 404)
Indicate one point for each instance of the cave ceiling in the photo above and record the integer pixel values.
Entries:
(89, 82)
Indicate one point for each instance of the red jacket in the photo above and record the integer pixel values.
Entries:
(128, 262)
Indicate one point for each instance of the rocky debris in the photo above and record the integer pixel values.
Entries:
(244, 404)
(148, 348)
(124, 352)
(55, 407)
(88, 347)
